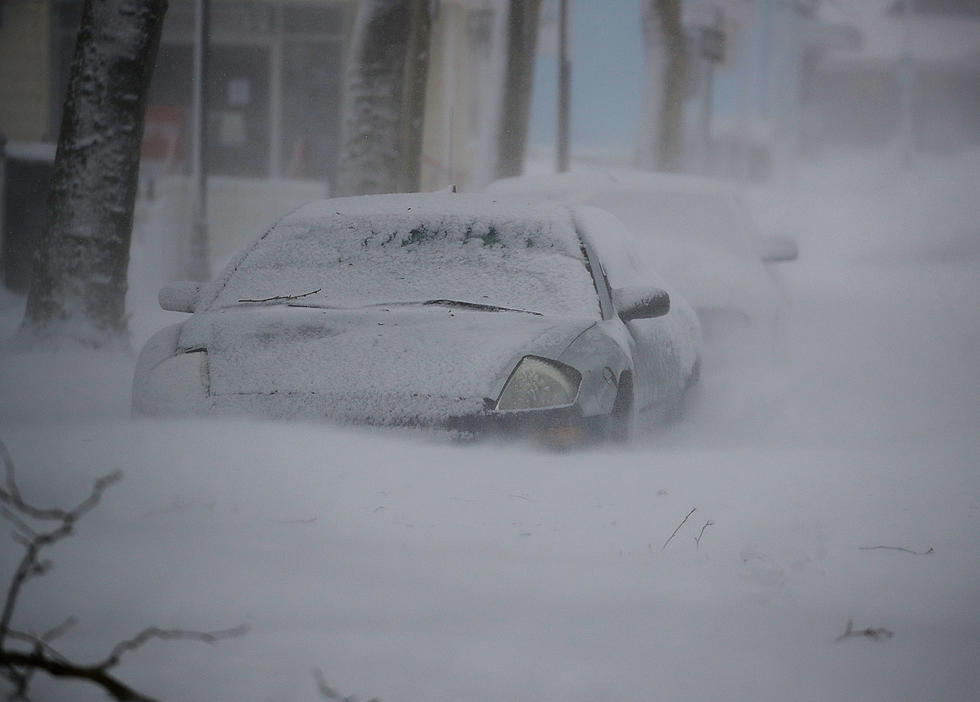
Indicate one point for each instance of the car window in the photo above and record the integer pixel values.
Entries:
(599, 279)
(614, 245)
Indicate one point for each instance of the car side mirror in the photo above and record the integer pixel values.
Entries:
(640, 302)
(778, 249)
(181, 296)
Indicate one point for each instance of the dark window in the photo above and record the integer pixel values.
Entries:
(168, 129)
(311, 92)
(321, 19)
(241, 18)
(238, 111)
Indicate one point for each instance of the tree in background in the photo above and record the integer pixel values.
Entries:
(78, 285)
(522, 36)
(384, 98)
(662, 138)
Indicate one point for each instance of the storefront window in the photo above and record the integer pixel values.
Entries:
(311, 91)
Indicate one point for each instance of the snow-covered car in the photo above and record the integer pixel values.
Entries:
(697, 232)
(464, 312)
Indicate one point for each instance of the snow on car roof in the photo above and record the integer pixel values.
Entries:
(605, 179)
(664, 205)
(357, 251)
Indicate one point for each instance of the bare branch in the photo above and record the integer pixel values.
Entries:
(898, 548)
(283, 297)
(19, 666)
(869, 633)
(42, 642)
(8, 470)
(683, 521)
(11, 497)
(59, 631)
(37, 642)
(323, 687)
(37, 660)
(168, 635)
(697, 539)
(14, 508)
(24, 530)
(328, 693)
(30, 565)
(24, 569)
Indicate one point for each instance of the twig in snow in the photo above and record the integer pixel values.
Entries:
(283, 297)
(683, 521)
(697, 539)
(869, 633)
(328, 693)
(898, 548)
(17, 511)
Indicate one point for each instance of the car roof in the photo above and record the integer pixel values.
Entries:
(609, 179)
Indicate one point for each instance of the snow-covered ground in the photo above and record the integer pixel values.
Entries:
(413, 569)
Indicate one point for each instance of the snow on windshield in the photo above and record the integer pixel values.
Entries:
(389, 249)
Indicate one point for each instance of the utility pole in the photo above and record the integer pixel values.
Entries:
(906, 77)
(199, 265)
(564, 90)
(522, 37)
(712, 50)
(413, 94)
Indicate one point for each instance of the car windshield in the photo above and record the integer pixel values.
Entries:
(353, 260)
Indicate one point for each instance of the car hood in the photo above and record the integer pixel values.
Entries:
(389, 365)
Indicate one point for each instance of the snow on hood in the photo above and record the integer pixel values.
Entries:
(387, 365)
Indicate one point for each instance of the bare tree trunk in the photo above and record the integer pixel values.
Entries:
(413, 102)
(78, 286)
(384, 102)
(646, 150)
(564, 91)
(671, 142)
(662, 140)
(522, 37)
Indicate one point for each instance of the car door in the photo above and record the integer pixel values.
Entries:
(658, 343)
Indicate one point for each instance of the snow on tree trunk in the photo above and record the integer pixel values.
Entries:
(384, 100)
(522, 36)
(78, 285)
(662, 136)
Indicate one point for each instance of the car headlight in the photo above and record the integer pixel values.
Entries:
(538, 383)
(177, 384)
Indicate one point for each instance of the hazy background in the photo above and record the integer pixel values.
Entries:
(409, 567)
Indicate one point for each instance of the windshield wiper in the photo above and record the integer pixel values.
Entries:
(477, 306)
(276, 298)
(443, 302)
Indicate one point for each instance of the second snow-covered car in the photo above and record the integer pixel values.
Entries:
(699, 233)
(464, 312)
